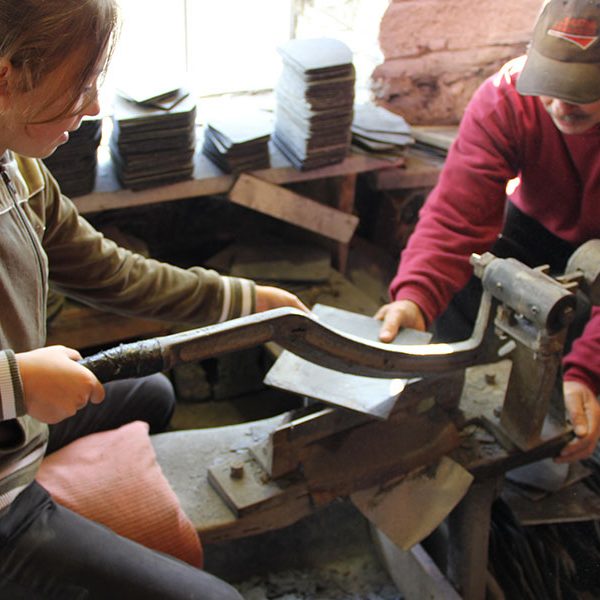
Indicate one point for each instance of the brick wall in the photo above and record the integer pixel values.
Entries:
(437, 52)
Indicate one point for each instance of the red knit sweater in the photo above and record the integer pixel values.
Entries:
(504, 135)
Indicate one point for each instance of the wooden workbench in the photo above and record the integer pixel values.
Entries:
(209, 180)
(421, 169)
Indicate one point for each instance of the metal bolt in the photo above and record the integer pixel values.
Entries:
(236, 470)
(490, 378)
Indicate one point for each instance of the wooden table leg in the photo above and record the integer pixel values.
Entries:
(345, 202)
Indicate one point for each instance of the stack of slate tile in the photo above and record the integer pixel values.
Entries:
(152, 146)
(377, 129)
(315, 96)
(238, 142)
(74, 164)
(435, 139)
(157, 94)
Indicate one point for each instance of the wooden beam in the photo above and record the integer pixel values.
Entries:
(419, 171)
(413, 571)
(208, 180)
(345, 202)
(288, 206)
(79, 326)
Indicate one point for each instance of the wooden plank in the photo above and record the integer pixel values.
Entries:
(78, 326)
(438, 136)
(108, 193)
(208, 180)
(246, 487)
(98, 201)
(414, 572)
(280, 454)
(281, 262)
(253, 193)
(371, 453)
(420, 170)
(352, 165)
(184, 457)
(345, 202)
(469, 531)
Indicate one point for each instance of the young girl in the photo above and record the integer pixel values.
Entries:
(52, 53)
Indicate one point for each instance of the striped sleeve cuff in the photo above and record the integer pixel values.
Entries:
(239, 298)
(11, 387)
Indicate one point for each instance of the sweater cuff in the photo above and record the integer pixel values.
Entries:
(239, 298)
(11, 387)
(581, 376)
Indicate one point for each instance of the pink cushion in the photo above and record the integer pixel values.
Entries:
(112, 477)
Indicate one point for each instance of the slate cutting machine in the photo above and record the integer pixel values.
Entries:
(428, 452)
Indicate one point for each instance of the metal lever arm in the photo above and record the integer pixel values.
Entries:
(297, 332)
(531, 293)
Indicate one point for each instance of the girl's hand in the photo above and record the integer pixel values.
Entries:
(268, 297)
(55, 386)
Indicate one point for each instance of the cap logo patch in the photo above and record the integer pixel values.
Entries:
(581, 32)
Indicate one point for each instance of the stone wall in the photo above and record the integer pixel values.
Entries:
(437, 52)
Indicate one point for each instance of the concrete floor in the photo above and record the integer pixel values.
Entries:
(327, 556)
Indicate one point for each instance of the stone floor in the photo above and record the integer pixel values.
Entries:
(357, 579)
(327, 556)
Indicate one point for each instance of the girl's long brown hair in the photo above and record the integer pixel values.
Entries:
(37, 36)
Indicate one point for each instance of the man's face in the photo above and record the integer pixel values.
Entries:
(572, 118)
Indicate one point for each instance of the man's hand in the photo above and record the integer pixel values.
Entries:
(398, 314)
(583, 409)
(268, 297)
(55, 386)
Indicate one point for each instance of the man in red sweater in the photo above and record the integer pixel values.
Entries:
(537, 123)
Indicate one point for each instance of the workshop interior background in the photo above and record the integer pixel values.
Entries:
(421, 59)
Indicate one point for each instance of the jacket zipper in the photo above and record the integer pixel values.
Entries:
(12, 190)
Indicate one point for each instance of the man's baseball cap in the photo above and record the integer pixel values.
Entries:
(563, 60)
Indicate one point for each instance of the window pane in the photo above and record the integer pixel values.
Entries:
(354, 22)
(152, 45)
(233, 43)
